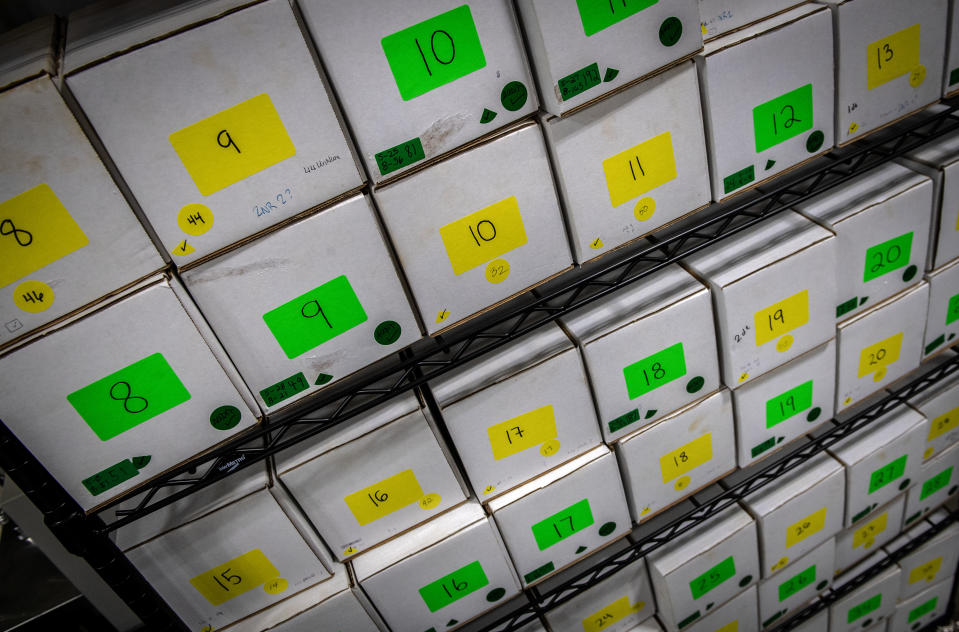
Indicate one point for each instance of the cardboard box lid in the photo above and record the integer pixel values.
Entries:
(502, 364)
(686, 546)
(349, 430)
(417, 540)
(760, 28)
(295, 604)
(784, 488)
(858, 194)
(756, 247)
(545, 480)
(922, 286)
(28, 51)
(941, 153)
(891, 426)
(629, 304)
(111, 27)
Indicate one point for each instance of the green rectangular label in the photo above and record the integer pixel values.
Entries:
(739, 179)
(847, 306)
(655, 370)
(796, 583)
(284, 389)
(887, 474)
(935, 483)
(923, 609)
(536, 573)
(315, 317)
(793, 401)
(434, 52)
(756, 450)
(952, 314)
(624, 420)
(864, 608)
(954, 76)
(888, 256)
(127, 398)
(562, 524)
(110, 477)
(455, 586)
(579, 81)
(404, 154)
(602, 14)
(783, 118)
(713, 577)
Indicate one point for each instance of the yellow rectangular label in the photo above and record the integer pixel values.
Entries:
(869, 531)
(732, 626)
(383, 498)
(233, 144)
(782, 317)
(640, 168)
(892, 56)
(614, 612)
(927, 571)
(943, 423)
(35, 230)
(486, 234)
(799, 531)
(239, 575)
(522, 432)
(681, 460)
(880, 355)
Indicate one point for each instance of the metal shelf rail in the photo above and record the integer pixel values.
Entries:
(414, 367)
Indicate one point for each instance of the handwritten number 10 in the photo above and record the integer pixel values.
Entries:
(436, 56)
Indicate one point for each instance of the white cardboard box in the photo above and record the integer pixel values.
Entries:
(881, 462)
(486, 231)
(860, 540)
(132, 386)
(881, 220)
(519, 411)
(649, 349)
(868, 604)
(816, 623)
(615, 604)
(784, 404)
(741, 613)
(921, 610)
(718, 17)
(321, 299)
(446, 571)
(950, 75)
(213, 573)
(798, 512)
(580, 52)
(933, 562)
(68, 237)
(420, 78)
(551, 521)
(942, 318)
(799, 582)
(671, 458)
(937, 481)
(371, 478)
(939, 160)
(880, 345)
(220, 130)
(889, 59)
(641, 150)
(774, 290)
(704, 566)
(940, 405)
(767, 97)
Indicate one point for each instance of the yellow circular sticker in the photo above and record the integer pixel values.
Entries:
(645, 511)
(33, 296)
(917, 76)
(206, 628)
(879, 374)
(682, 482)
(549, 448)
(497, 270)
(489, 489)
(847, 401)
(644, 208)
(784, 343)
(430, 501)
(853, 127)
(276, 586)
(782, 562)
(596, 244)
(351, 550)
(743, 377)
(195, 219)
(928, 453)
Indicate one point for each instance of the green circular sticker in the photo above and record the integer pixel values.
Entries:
(607, 528)
(909, 273)
(387, 332)
(495, 595)
(814, 141)
(745, 581)
(670, 31)
(695, 384)
(225, 417)
(513, 96)
(813, 414)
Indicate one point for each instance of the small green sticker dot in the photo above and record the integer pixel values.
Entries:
(814, 141)
(650, 413)
(694, 385)
(780, 440)
(225, 417)
(141, 462)
(745, 581)
(495, 595)
(670, 31)
(607, 528)
(813, 414)
(488, 115)
(903, 485)
(822, 585)
(951, 336)
(610, 75)
(909, 273)
(867, 623)
(322, 379)
(513, 96)
(952, 490)
(581, 549)
(387, 332)
(709, 606)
